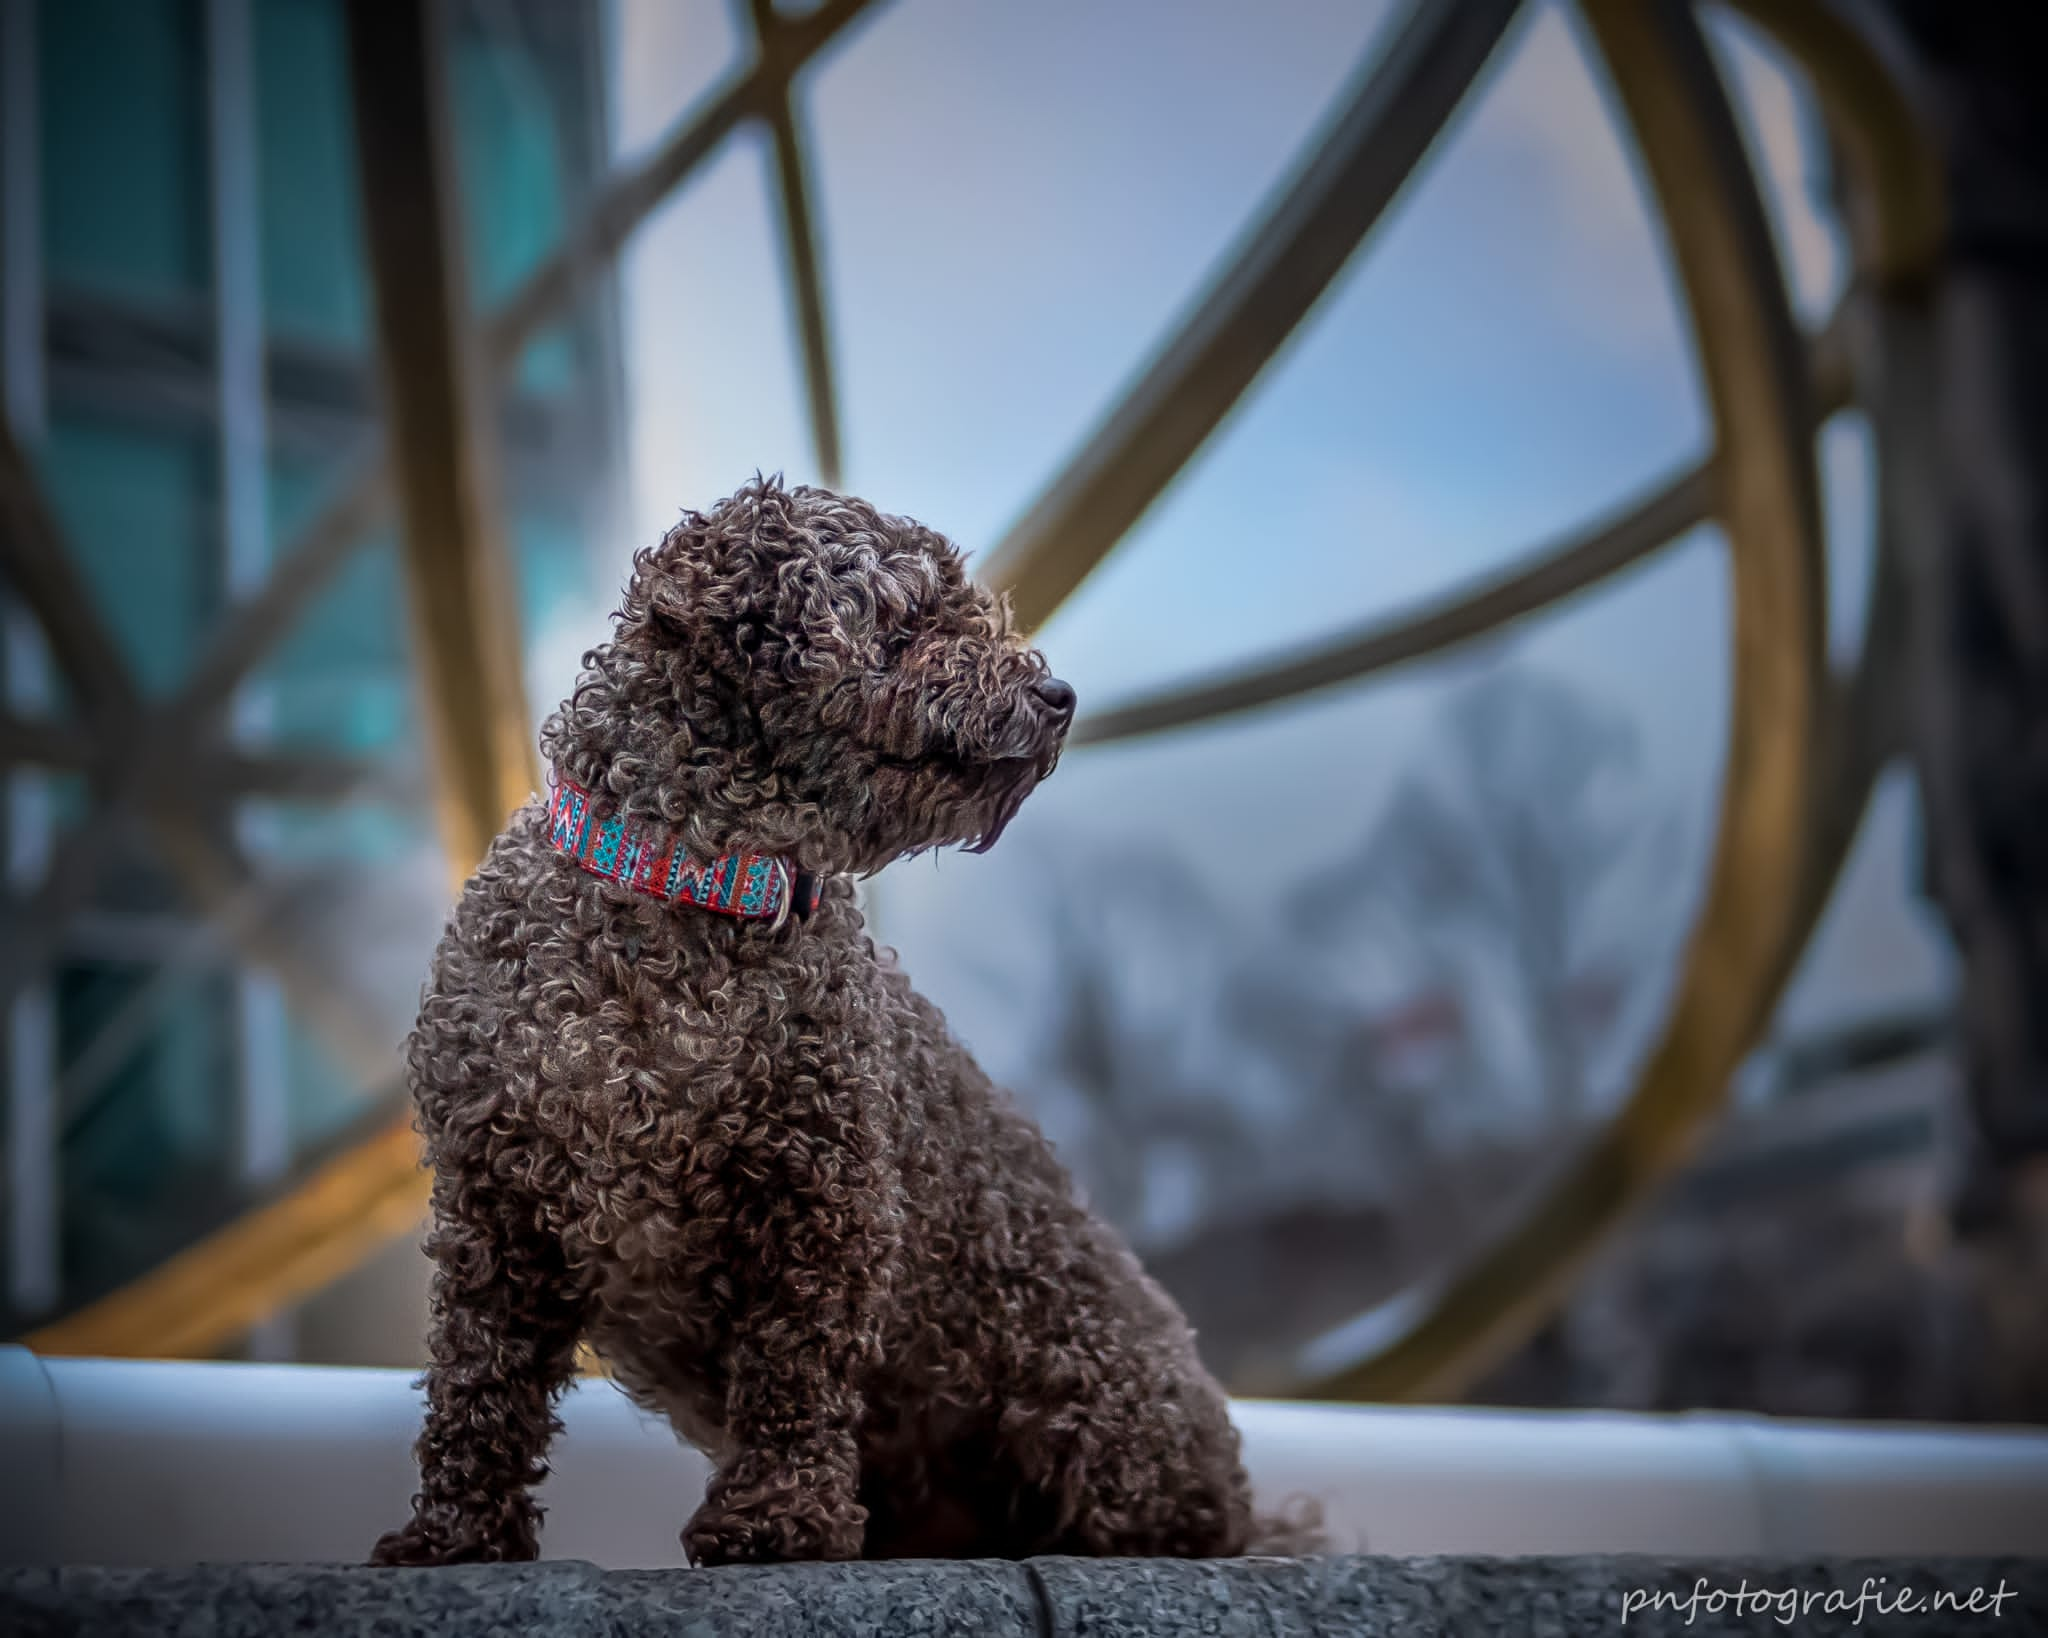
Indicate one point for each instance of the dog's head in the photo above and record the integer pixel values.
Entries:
(795, 672)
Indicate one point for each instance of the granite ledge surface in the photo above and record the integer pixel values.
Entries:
(1044, 1598)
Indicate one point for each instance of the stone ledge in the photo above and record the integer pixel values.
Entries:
(1045, 1598)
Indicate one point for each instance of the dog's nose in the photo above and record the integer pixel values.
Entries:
(1056, 696)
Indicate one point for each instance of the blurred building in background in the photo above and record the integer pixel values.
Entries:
(1325, 1094)
(189, 354)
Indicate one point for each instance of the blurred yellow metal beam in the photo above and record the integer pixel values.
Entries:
(262, 1262)
(1756, 377)
(801, 258)
(1896, 206)
(439, 415)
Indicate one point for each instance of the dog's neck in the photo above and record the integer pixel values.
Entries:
(695, 765)
(649, 858)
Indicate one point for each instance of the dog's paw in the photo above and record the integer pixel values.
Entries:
(773, 1525)
(407, 1549)
(414, 1547)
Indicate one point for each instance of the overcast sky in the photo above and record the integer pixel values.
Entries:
(1018, 200)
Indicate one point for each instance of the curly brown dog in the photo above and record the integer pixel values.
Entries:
(738, 1152)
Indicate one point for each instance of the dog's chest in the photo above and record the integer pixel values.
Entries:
(662, 1056)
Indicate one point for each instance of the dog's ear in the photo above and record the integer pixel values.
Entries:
(669, 611)
(675, 588)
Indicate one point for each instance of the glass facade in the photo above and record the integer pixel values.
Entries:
(145, 1022)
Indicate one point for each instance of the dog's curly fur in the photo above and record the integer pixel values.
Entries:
(747, 1162)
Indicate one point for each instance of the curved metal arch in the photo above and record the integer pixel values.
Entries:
(1778, 848)
(1545, 577)
(1897, 211)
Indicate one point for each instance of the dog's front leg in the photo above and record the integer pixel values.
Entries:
(815, 1258)
(505, 1321)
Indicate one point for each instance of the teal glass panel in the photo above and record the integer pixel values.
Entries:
(138, 509)
(353, 835)
(510, 160)
(147, 1161)
(128, 877)
(553, 568)
(324, 1104)
(341, 679)
(314, 280)
(354, 851)
(60, 800)
(549, 363)
(124, 173)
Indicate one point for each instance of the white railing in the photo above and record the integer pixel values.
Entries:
(132, 1462)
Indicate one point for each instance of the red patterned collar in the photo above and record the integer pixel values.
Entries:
(645, 856)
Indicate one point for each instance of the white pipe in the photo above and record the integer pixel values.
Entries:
(142, 1462)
